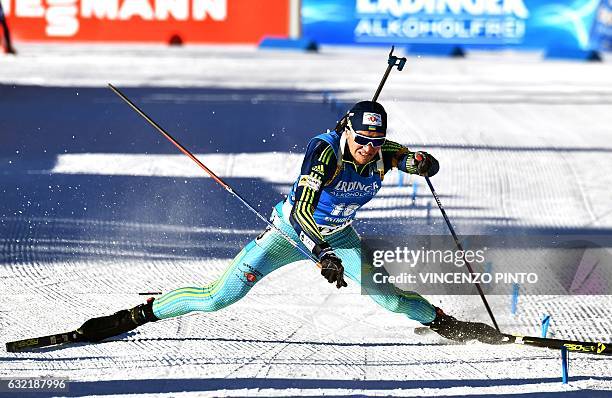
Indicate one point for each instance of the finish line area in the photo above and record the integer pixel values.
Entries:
(97, 208)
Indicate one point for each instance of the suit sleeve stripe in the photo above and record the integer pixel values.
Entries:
(305, 215)
(309, 218)
(326, 155)
(303, 212)
(307, 221)
(393, 147)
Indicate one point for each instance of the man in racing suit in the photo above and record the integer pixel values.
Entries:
(342, 170)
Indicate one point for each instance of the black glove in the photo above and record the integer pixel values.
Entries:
(426, 164)
(332, 269)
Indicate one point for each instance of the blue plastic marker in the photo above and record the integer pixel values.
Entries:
(325, 97)
(515, 293)
(329, 98)
(545, 323)
(415, 186)
(400, 180)
(564, 365)
(488, 267)
(429, 213)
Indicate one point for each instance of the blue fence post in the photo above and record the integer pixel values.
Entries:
(515, 294)
(429, 213)
(332, 101)
(564, 365)
(545, 323)
(415, 187)
(400, 179)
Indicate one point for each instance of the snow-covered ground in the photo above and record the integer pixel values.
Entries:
(524, 145)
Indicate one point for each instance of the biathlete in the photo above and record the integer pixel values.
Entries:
(342, 170)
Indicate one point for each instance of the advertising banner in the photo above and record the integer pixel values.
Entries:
(195, 21)
(602, 28)
(477, 23)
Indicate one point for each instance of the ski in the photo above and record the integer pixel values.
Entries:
(44, 341)
(597, 348)
(587, 347)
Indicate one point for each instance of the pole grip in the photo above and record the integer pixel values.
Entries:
(391, 62)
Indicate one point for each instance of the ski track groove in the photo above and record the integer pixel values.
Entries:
(581, 193)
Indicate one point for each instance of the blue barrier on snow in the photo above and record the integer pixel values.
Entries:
(302, 44)
(572, 53)
(436, 50)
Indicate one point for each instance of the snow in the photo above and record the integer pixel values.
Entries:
(524, 145)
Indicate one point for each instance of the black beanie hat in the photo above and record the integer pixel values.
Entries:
(368, 116)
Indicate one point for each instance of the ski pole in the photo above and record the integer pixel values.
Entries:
(400, 62)
(210, 173)
(8, 46)
(460, 247)
(393, 61)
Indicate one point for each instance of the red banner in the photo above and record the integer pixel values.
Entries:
(194, 21)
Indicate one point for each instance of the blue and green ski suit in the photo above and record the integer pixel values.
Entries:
(317, 213)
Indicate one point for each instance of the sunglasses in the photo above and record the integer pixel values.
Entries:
(364, 140)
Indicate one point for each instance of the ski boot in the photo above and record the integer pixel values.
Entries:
(453, 329)
(97, 329)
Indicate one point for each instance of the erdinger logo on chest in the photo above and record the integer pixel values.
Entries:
(355, 189)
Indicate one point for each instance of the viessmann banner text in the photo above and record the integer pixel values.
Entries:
(195, 21)
(522, 23)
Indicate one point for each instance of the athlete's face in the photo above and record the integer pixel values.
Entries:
(362, 153)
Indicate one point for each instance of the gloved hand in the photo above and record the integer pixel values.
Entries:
(332, 269)
(426, 164)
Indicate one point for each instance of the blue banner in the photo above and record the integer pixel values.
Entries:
(471, 23)
(602, 28)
